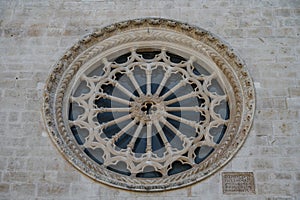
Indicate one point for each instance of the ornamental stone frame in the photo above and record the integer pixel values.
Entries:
(149, 104)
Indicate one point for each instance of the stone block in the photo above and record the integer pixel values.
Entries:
(264, 177)
(263, 128)
(16, 164)
(293, 103)
(240, 164)
(27, 117)
(4, 188)
(289, 164)
(283, 176)
(282, 140)
(16, 176)
(275, 189)
(36, 164)
(283, 198)
(13, 116)
(261, 140)
(262, 164)
(259, 32)
(3, 116)
(279, 102)
(68, 177)
(289, 115)
(88, 191)
(283, 12)
(294, 92)
(271, 151)
(52, 190)
(267, 114)
(284, 128)
(293, 151)
(23, 189)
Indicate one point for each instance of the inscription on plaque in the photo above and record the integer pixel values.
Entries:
(238, 182)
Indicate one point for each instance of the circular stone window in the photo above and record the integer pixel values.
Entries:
(149, 104)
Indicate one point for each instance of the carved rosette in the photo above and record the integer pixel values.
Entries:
(149, 104)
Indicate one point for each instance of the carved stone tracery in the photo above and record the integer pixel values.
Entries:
(157, 106)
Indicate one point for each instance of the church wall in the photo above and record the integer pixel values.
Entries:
(35, 34)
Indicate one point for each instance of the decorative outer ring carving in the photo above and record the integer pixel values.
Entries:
(204, 42)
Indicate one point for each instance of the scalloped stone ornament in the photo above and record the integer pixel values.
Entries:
(149, 104)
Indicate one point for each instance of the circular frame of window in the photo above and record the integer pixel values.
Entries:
(149, 104)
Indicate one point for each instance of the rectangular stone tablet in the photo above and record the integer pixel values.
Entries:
(238, 183)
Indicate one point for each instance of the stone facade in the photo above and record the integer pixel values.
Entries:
(35, 34)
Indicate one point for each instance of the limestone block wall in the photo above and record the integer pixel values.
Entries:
(35, 34)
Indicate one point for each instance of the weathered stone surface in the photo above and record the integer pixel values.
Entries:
(53, 190)
(25, 189)
(4, 188)
(35, 34)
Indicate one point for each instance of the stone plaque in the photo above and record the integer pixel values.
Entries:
(238, 182)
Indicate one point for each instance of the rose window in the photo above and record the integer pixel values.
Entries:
(149, 104)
